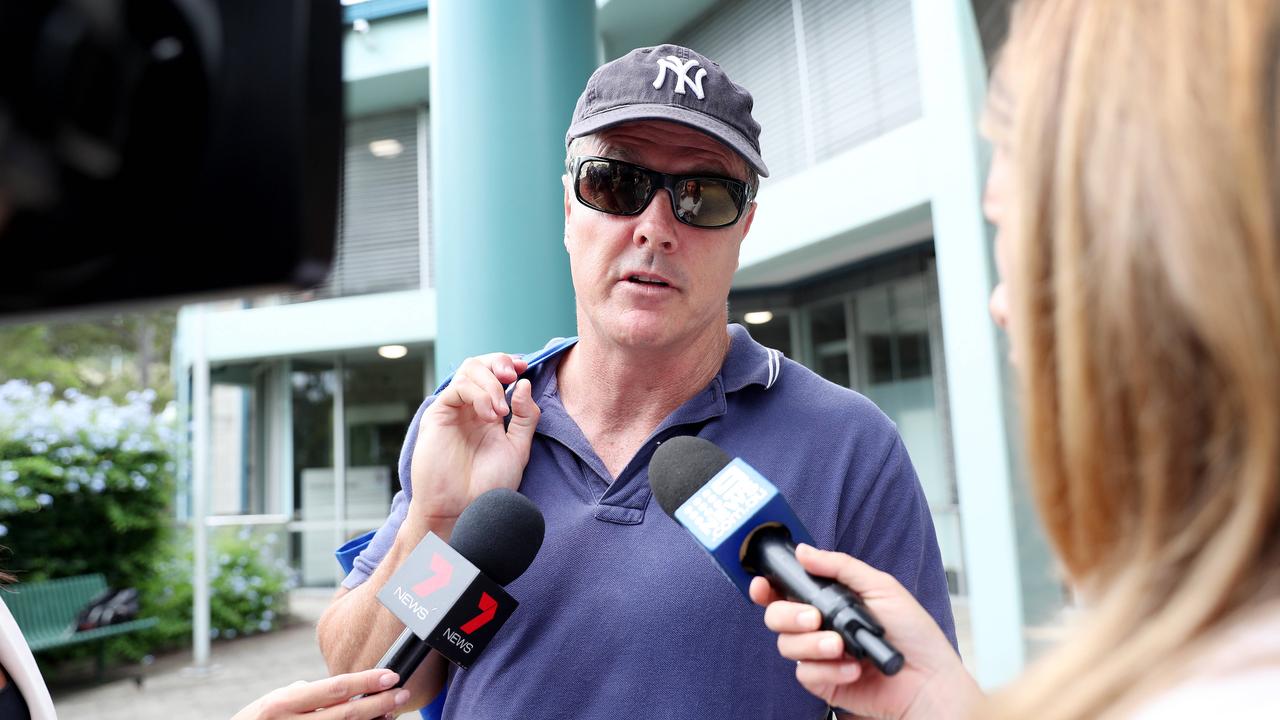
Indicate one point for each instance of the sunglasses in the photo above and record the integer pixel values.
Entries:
(621, 188)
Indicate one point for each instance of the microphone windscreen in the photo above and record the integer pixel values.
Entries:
(500, 533)
(680, 467)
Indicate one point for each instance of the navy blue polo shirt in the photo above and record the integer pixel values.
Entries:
(622, 614)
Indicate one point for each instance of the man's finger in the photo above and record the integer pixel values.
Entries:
(463, 391)
(524, 417)
(490, 384)
(506, 368)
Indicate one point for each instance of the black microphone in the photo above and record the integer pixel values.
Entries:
(742, 521)
(449, 595)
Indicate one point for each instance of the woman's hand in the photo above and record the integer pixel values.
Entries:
(330, 699)
(931, 684)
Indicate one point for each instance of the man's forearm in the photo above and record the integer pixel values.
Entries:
(356, 630)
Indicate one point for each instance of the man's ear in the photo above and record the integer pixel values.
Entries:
(568, 196)
(746, 228)
(746, 222)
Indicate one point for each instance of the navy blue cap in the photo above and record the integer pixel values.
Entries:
(671, 83)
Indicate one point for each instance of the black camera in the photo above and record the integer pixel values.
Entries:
(163, 148)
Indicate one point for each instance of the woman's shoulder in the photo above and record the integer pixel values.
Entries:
(1240, 677)
(1253, 693)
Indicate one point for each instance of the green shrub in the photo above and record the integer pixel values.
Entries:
(249, 584)
(86, 486)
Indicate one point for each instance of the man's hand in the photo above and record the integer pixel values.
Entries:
(932, 684)
(463, 450)
(330, 699)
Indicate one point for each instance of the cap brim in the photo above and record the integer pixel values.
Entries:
(717, 129)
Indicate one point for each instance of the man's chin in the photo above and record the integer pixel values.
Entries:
(641, 333)
(643, 337)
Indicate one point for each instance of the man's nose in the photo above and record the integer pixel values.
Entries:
(656, 224)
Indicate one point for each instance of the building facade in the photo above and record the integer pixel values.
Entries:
(869, 262)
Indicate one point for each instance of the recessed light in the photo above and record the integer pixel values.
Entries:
(388, 148)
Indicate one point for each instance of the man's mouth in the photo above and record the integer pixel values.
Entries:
(643, 280)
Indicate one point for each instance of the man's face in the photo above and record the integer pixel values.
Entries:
(616, 259)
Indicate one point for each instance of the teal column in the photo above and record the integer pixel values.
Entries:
(504, 80)
(953, 88)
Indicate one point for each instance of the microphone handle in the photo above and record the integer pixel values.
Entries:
(772, 554)
(404, 656)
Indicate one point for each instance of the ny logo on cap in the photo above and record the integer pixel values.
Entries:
(681, 71)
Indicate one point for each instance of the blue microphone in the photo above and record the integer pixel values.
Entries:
(745, 524)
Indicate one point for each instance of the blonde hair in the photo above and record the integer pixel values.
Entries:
(1145, 295)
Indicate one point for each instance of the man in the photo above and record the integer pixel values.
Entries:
(622, 614)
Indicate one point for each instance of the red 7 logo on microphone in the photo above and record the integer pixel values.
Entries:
(488, 608)
(441, 574)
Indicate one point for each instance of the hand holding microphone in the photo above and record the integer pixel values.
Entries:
(932, 683)
(747, 527)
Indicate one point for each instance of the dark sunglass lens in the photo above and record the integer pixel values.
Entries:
(612, 187)
(707, 202)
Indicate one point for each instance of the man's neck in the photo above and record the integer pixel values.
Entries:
(608, 388)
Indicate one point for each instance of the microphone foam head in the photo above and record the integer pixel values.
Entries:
(680, 467)
(500, 533)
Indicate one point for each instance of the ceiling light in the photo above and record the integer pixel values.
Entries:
(393, 352)
(758, 318)
(386, 148)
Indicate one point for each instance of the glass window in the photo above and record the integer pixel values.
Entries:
(770, 328)
(239, 477)
(314, 385)
(380, 399)
(893, 339)
(876, 331)
(829, 334)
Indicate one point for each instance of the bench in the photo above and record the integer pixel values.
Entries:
(47, 611)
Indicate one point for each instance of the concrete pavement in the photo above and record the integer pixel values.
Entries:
(243, 670)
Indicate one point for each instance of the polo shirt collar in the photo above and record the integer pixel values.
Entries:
(624, 500)
(748, 362)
